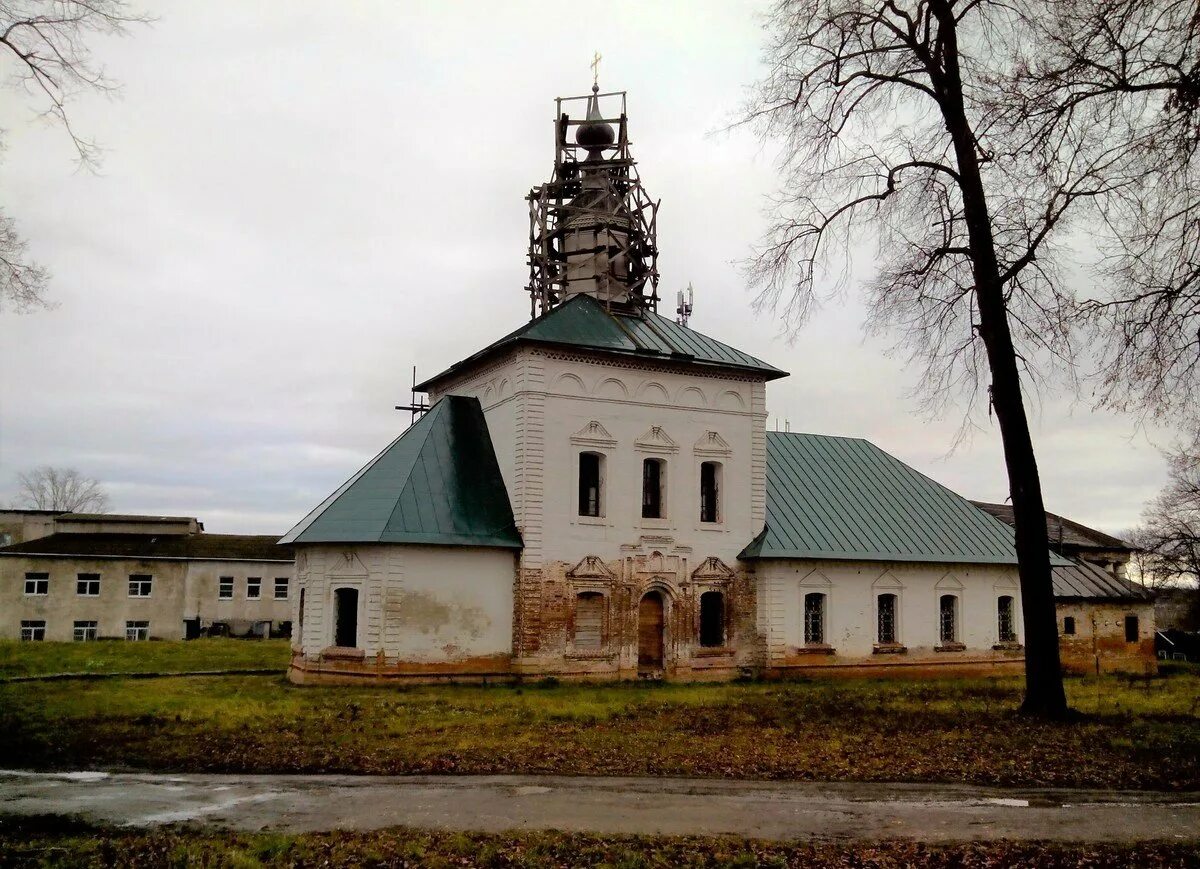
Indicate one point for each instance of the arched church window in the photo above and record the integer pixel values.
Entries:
(886, 619)
(814, 619)
(589, 620)
(712, 619)
(710, 485)
(948, 618)
(654, 484)
(1004, 619)
(591, 482)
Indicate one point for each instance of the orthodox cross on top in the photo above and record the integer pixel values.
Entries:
(596, 68)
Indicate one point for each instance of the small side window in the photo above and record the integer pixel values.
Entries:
(1068, 626)
(591, 466)
(1131, 629)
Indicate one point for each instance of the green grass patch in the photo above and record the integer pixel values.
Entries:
(116, 656)
(55, 841)
(1136, 733)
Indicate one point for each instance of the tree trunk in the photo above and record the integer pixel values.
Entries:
(1044, 694)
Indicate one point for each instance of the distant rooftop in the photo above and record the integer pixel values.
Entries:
(1062, 531)
(200, 547)
(1087, 581)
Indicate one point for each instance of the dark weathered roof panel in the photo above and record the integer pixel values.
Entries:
(1061, 531)
(438, 483)
(583, 323)
(1083, 580)
(844, 498)
(200, 546)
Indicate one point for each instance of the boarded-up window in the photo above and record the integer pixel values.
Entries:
(589, 620)
(1131, 629)
(712, 619)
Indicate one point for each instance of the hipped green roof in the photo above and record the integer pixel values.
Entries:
(438, 483)
(583, 323)
(846, 499)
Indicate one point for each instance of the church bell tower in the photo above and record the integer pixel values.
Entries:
(592, 226)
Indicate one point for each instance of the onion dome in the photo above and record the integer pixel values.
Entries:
(594, 134)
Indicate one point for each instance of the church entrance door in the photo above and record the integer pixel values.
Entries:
(650, 631)
(345, 604)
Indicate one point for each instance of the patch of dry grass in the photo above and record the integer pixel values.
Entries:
(1136, 733)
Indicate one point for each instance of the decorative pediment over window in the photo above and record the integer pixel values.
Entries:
(346, 563)
(816, 579)
(656, 441)
(887, 580)
(713, 568)
(949, 582)
(591, 567)
(593, 435)
(712, 444)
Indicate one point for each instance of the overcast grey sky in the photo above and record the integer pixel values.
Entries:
(299, 201)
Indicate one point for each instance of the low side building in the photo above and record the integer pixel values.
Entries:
(1105, 621)
(83, 586)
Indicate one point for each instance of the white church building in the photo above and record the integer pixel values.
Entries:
(596, 495)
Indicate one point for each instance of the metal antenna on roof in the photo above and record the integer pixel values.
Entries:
(416, 408)
(683, 311)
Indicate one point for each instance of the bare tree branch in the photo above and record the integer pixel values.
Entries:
(50, 488)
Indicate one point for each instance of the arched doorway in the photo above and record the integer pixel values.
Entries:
(650, 631)
(345, 605)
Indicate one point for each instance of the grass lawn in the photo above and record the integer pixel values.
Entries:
(115, 656)
(1137, 733)
(58, 842)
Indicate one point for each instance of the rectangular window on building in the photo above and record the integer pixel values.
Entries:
(1069, 626)
(137, 630)
(814, 619)
(253, 587)
(590, 480)
(712, 619)
(84, 631)
(37, 584)
(282, 587)
(140, 584)
(589, 620)
(33, 630)
(652, 488)
(1131, 629)
(886, 619)
(87, 584)
(1006, 628)
(710, 483)
(948, 618)
(225, 588)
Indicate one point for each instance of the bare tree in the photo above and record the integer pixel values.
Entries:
(50, 488)
(1117, 83)
(1171, 533)
(44, 50)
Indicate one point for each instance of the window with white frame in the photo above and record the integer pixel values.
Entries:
(84, 631)
(33, 630)
(591, 484)
(137, 630)
(253, 587)
(1005, 626)
(282, 587)
(87, 584)
(885, 617)
(140, 584)
(225, 588)
(814, 619)
(948, 618)
(37, 584)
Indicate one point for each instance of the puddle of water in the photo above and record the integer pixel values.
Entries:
(83, 776)
(1006, 801)
(525, 790)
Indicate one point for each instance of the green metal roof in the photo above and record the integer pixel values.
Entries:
(582, 322)
(437, 483)
(846, 499)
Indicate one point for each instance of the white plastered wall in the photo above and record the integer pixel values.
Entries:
(415, 603)
(852, 589)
